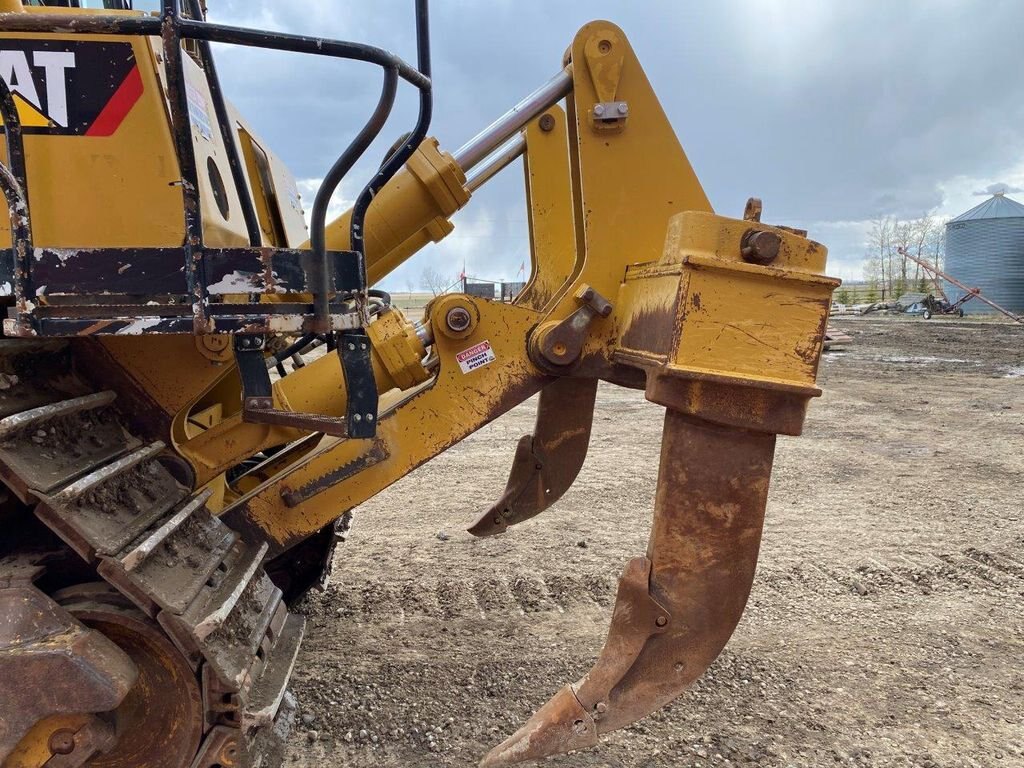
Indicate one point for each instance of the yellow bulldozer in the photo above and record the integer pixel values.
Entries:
(195, 387)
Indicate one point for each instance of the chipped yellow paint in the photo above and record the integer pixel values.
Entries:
(701, 309)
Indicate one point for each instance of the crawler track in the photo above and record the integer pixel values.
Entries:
(67, 457)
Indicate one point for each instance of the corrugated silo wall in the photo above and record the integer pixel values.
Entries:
(987, 254)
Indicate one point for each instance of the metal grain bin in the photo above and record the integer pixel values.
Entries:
(985, 249)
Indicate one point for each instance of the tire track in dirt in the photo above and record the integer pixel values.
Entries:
(532, 592)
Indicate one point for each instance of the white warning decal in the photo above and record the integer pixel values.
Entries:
(475, 357)
(198, 112)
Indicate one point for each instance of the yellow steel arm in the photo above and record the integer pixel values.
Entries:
(550, 204)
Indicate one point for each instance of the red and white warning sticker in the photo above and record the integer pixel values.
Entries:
(475, 357)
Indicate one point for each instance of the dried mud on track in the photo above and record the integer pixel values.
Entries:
(884, 628)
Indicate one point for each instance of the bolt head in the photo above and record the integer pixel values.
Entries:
(599, 109)
(760, 247)
(62, 742)
(623, 108)
(547, 122)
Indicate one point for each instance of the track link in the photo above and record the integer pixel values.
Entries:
(65, 452)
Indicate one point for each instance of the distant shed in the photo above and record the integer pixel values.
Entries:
(985, 249)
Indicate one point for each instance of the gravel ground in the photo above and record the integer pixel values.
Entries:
(884, 627)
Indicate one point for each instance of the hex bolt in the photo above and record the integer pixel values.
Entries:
(351, 347)
(62, 742)
(601, 707)
(357, 417)
(369, 417)
(623, 108)
(547, 122)
(661, 621)
(760, 247)
(599, 109)
(458, 319)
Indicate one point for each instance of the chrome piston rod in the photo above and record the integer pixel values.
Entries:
(496, 162)
(494, 135)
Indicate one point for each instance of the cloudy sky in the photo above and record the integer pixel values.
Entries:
(832, 112)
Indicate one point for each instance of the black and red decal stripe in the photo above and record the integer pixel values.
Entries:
(120, 104)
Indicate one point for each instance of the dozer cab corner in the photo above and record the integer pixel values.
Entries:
(196, 388)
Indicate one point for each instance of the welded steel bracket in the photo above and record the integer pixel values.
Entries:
(258, 394)
(357, 365)
(558, 344)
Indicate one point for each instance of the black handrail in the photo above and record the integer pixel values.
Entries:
(318, 218)
(14, 183)
(227, 134)
(181, 125)
(190, 29)
(397, 160)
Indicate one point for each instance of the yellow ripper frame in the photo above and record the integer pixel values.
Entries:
(635, 281)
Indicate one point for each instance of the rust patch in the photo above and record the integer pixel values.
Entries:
(547, 462)
(377, 453)
(650, 330)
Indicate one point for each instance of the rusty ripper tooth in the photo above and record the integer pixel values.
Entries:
(547, 462)
(677, 607)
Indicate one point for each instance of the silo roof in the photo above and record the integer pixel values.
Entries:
(996, 207)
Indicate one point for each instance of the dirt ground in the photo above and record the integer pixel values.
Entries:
(884, 628)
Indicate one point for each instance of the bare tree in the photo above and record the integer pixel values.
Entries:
(433, 281)
(878, 266)
(891, 274)
(936, 245)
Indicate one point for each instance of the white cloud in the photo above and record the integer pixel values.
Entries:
(960, 193)
(339, 201)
